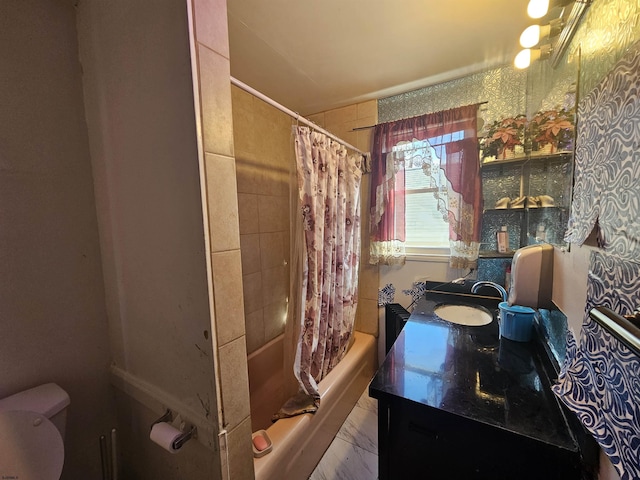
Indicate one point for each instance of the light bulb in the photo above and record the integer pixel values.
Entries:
(523, 59)
(528, 55)
(530, 37)
(538, 8)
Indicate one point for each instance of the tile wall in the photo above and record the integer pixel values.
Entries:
(210, 40)
(263, 153)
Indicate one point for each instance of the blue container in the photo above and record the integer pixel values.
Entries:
(516, 322)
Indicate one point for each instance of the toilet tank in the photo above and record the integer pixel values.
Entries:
(49, 400)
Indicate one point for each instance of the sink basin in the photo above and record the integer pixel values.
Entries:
(469, 315)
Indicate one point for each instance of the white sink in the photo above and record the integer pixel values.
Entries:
(468, 315)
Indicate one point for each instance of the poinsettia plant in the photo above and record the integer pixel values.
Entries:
(503, 134)
(553, 127)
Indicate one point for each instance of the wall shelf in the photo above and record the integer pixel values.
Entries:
(536, 175)
(493, 254)
(522, 210)
(519, 161)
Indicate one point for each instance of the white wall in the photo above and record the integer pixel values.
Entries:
(403, 276)
(142, 129)
(52, 310)
(570, 270)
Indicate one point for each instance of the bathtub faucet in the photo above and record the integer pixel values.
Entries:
(499, 288)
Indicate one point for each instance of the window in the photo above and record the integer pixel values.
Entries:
(452, 132)
(426, 226)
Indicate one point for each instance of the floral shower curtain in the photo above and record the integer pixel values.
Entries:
(446, 145)
(329, 196)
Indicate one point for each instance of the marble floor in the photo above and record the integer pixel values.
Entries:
(353, 454)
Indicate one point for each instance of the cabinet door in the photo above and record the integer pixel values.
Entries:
(432, 444)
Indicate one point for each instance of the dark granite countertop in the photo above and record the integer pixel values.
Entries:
(472, 373)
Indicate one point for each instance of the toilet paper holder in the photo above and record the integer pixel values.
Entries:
(185, 436)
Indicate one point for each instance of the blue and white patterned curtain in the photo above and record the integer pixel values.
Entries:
(600, 379)
(607, 164)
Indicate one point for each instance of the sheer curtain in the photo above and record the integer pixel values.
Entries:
(446, 145)
(329, 205)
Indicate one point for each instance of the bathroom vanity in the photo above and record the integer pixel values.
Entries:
(457, 401)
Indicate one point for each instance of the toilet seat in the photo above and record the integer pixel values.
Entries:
(31, 447)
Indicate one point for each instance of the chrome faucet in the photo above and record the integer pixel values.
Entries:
(499, 288)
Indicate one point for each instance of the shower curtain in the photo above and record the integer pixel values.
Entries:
(329, 210)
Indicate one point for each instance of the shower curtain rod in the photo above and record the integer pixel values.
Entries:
(291, 113)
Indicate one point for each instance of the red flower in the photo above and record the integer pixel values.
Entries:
(508, 135)
(553, 127)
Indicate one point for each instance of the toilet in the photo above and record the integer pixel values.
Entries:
(32, 425)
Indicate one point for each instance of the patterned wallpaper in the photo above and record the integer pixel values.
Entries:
(502, 87)
(607, 171)
(549, 87)
(507, 91)
(603, 375)
(607, 30)
(599, 379)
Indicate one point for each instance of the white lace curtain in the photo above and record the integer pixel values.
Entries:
(445, 145)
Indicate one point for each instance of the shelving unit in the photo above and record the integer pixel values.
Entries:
(533, 176)
(521, 160)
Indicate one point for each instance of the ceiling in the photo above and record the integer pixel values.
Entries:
(314, 55)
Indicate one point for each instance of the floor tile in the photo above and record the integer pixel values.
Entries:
(367, 402)
(345, 461)
(361, 429)
(353, 454)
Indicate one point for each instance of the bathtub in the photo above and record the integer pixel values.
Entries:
(299, 442)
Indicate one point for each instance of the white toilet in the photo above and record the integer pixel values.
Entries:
(32, 425)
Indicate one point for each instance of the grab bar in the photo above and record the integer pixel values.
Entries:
(619, 326)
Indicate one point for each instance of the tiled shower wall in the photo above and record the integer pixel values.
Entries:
(213, 111)
(264, 153)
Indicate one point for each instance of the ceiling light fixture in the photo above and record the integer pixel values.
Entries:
(528, 55)
(534, 33)
(560, 29)
(539, 8)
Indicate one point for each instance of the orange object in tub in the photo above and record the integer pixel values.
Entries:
(261, 443)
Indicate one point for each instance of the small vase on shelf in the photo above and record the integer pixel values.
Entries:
(506, 153)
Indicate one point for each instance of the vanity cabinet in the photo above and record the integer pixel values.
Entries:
(460, 402)
(430, 443)
(530, 176)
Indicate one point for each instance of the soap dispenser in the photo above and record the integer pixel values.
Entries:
(532, 276)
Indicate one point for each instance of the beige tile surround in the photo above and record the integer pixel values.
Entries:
(262, 142)
(215, 116)
(264, 154)
(263, 150)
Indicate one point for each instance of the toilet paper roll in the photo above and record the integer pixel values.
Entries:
(165, 435)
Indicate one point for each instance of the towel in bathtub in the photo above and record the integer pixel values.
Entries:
(297, 405)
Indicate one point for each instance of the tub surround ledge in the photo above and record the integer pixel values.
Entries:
(299, 442)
